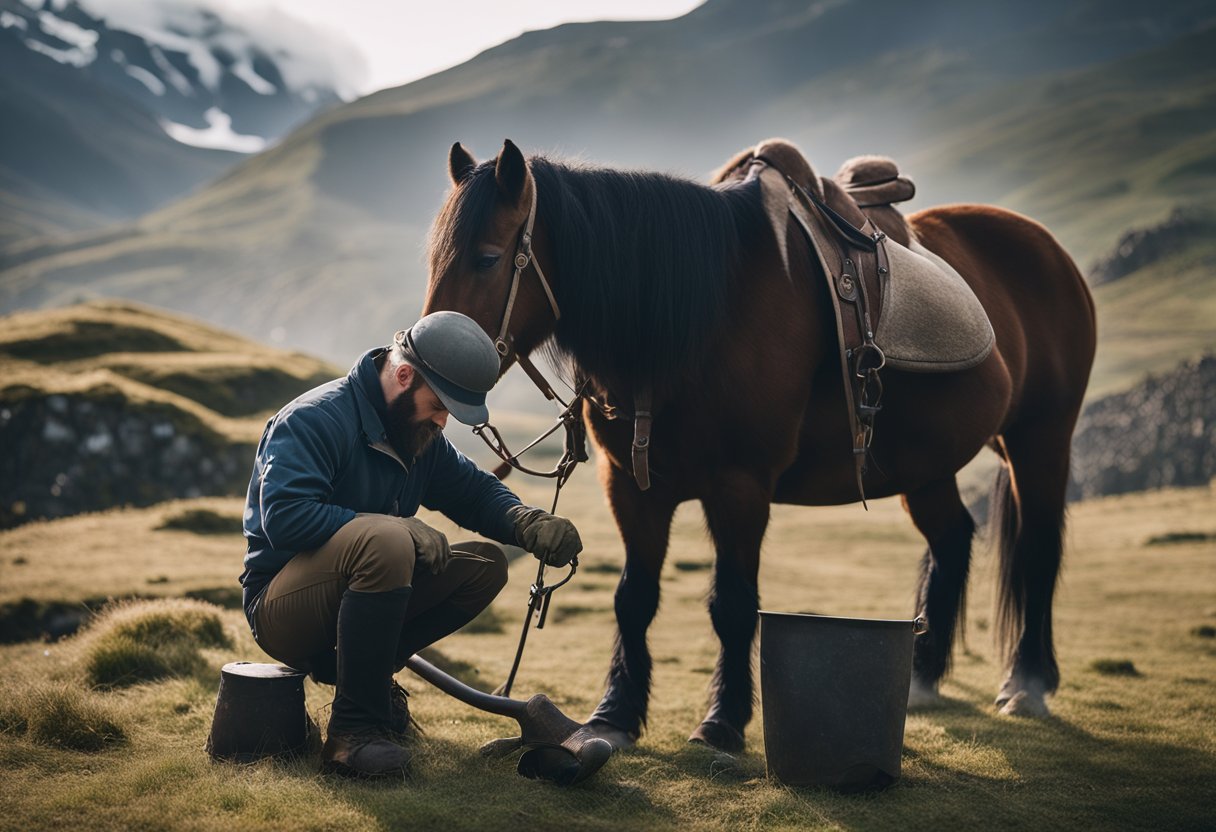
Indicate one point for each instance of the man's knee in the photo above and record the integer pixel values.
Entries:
(380, 554)
(492, 576)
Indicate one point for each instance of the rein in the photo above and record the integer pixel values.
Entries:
(575, 445)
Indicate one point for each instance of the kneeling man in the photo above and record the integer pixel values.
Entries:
(341, 580)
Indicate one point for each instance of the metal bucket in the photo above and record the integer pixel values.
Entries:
(835, 697)
(259, 712)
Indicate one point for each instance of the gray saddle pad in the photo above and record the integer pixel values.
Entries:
(931, 320)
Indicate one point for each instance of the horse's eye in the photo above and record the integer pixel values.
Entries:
(486, 261)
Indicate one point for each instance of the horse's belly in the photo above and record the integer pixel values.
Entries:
(931, 425)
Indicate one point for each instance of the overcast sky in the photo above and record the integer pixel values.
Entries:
(406, 39)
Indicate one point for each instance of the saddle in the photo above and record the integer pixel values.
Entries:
(896, 303)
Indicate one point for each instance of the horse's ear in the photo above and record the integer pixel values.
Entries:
(511, 172)
(460, 163)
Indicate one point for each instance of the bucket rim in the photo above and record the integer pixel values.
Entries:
(840, 619)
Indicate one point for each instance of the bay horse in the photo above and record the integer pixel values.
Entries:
(651, 279)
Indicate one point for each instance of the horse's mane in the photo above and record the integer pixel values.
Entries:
(645, 263)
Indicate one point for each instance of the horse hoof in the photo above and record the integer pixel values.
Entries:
(617, 738)
(1024, 703)
(718, 735)
(922, 695)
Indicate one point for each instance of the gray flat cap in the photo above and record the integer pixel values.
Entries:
(457, 359)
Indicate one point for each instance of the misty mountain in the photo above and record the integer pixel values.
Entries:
(1095, 116)
(109, 114)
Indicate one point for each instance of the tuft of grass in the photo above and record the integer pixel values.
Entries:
(1114, 667)
(1179, 537)
(692, 565)
(144, 641)
(62, 716)
(202, 521)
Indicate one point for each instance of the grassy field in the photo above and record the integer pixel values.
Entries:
(1129, 746)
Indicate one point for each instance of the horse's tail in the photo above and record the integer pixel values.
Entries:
(1028, 562)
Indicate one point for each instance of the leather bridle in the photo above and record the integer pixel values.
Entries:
(524, 257)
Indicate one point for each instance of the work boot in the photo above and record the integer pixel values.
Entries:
(369, 754)
(359, 739)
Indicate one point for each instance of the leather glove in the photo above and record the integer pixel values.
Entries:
(430, 546)
(550, 538)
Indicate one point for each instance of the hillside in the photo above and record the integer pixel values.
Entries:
(111, 403)
(1040, 108)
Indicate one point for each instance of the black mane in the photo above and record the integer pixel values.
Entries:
(645, 263)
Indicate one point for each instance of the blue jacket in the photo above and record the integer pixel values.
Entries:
(325, 457)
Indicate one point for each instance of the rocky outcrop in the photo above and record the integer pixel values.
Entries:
(65, 454)
(1161, 433)
(1143, 246)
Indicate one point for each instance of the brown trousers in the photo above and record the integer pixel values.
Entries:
(297, 618)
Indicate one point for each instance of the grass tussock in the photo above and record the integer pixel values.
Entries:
(145, 641)
(1114, 667)
(202, 521)
(1179, 537)
(61, 716)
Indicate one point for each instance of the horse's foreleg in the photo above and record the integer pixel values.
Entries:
(644, 520)
(939, 514)
(737, 513)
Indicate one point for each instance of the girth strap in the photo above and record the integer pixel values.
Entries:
(642, 419)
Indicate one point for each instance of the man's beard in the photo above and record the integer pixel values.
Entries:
(408, 438)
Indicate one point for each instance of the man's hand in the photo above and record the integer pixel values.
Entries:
(551, 538)
(430, 546)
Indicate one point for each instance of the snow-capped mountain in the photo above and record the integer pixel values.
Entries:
(234, 80)
(110, 108)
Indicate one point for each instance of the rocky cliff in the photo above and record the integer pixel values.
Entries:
(1160, 433)
(110, 404)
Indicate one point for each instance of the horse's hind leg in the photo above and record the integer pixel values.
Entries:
(737, 514)
(939, 514)
(1029, 518)
(644, 520)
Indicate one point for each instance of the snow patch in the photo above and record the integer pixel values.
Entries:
(83, 39)
(179, 81)
(218, 135)
(244, 70)
(71, 57)
(8, 20)
(154, 84)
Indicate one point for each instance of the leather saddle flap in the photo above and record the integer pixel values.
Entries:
(930, 321)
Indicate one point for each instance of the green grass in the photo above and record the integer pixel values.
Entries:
(1118, 752)
(63, 716)
(143, 641)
